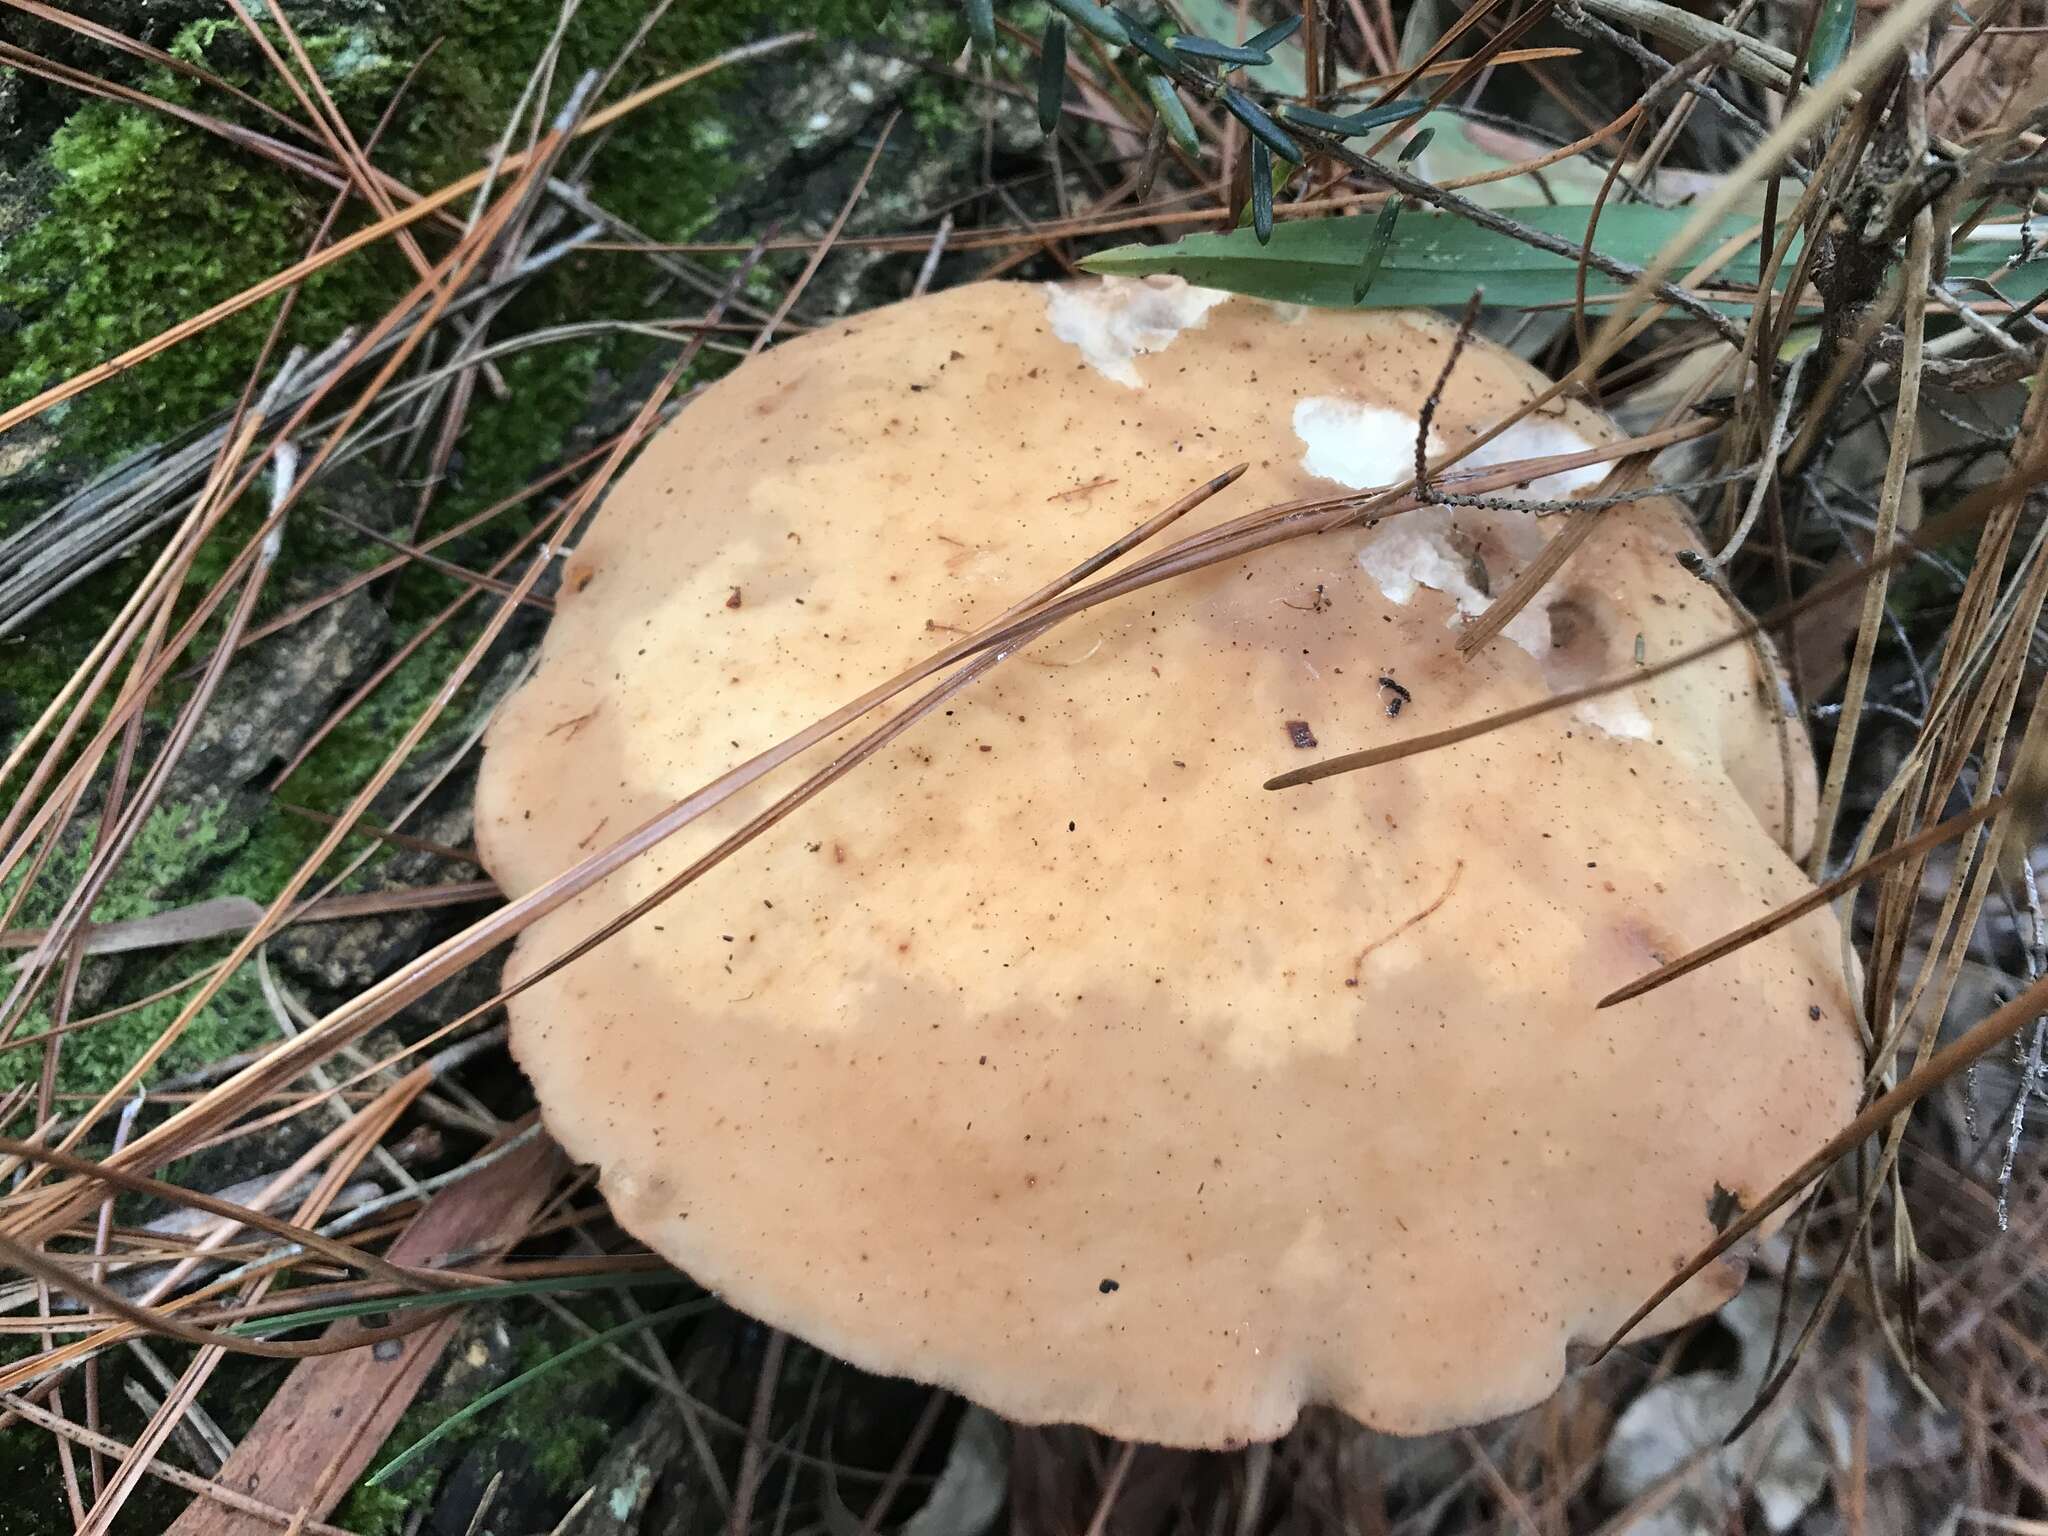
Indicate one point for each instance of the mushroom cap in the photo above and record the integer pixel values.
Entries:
(1047, 1056)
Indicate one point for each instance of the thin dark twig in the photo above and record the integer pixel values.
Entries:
(899, 1469)
(824, 246)
(1946, 1063)
(1436, 393)
(742, 1512)
(1578, 19)
(1799, 906)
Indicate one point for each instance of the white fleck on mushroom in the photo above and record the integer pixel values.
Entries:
(1356, 444)
(1048, 1057)
(1120, 319)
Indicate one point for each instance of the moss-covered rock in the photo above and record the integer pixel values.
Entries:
(212, 835)
(122, 220)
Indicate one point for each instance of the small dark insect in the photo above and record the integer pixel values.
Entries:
(1723, 1206)
(1396, 696)
(1107, 1287)
(1317, 604)
(1299, 733)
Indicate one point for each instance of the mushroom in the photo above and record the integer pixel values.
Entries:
(1047, 1056)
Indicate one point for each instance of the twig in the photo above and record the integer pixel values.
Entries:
(930, 268)
(749, 1479)
(824, 246)
(1766, 471)
(1919, 249)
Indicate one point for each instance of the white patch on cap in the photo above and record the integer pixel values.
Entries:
(1436, 547)
(1411, 551)
(1537, 437)
(1359, 446)
(1618, 714)
(1120, 318)
(1415, 550)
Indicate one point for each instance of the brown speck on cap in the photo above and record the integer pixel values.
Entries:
(1293, 1098)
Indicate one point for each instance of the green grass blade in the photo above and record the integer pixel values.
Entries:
(1219, 18)
(525, 1378)
(1376, 247)
(1142, 39)
(561, 1285)
(1262, 127)
(1383, 231)
(1353, 124)
(1275, 35)
(1218, 53)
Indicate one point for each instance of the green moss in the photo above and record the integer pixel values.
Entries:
(545, 1427)
(236, 1019)
(34, 1505)
(179, 849)
(152, 220)
(149, 221)
(382, 1510)
(547, 1421)
(174, 844)
(358, 746)
(374, 1511)
(937, 108)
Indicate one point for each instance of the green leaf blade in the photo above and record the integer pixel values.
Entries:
(981, 26)
(1262, 192)
(1429, 258)
(1833, 30)
(1095, 19)
(1436, 259)
(1052, 75)
(1173, 112)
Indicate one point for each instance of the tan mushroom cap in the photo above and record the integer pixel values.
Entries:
(1050, 1058)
